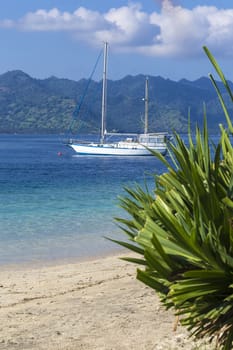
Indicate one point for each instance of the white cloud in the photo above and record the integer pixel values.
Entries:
(184, 31)
(54, 20)
(174, 31)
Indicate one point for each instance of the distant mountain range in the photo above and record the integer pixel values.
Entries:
(29, 105)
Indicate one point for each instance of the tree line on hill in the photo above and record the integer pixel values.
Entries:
(29, 105)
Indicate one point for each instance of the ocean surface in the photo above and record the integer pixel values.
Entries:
(58, 205)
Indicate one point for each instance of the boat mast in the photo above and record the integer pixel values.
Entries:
(146, 107)
(104, 94)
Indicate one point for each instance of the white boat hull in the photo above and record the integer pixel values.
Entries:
(117, 149)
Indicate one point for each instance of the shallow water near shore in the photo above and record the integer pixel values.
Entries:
(57, 205)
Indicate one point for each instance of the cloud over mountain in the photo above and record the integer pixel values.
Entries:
(173, 31)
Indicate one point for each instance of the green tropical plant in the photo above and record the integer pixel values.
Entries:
(183, 231)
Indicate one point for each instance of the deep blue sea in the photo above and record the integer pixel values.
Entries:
(61, 207)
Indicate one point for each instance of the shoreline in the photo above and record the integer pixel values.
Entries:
(92, 304)
(50, 262)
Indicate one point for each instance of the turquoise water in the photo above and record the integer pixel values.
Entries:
(61, 207)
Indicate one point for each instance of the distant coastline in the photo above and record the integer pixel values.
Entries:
(29, 105)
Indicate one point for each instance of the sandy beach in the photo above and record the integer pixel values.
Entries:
(94, 304)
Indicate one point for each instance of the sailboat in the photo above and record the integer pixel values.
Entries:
(130, 144)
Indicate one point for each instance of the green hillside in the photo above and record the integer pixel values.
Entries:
(29, 105)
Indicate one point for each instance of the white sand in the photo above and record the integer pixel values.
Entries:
(84, 305)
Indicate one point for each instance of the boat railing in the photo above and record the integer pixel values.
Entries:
(120, 134)
(73, 141)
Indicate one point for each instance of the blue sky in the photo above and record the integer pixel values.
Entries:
(62, 38)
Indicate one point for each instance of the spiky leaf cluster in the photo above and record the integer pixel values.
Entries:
(184, 230)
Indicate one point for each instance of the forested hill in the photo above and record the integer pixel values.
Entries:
(29, 105)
